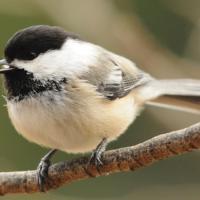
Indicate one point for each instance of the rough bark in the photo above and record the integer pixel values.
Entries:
(124, 159)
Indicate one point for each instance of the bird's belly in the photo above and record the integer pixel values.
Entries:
(70, 128)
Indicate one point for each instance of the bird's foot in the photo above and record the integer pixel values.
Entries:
(96, 158)
(42, 169)
(97, 153)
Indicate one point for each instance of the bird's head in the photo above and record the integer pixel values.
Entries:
(35, 56)
(38, 49)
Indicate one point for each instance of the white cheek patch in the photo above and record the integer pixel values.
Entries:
(74, 58)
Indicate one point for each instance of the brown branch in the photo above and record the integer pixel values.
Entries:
(125, 159)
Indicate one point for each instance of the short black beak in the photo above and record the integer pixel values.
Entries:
(6, 69)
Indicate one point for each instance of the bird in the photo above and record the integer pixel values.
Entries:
(68, 94)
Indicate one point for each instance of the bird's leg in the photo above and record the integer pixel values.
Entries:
(42, 169)
(96, 154)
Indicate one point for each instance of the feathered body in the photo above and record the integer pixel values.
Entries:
(71, 95)
(77, 117)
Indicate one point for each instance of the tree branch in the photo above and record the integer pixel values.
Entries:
(124, 159)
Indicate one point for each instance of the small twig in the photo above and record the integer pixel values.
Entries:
(124, 159)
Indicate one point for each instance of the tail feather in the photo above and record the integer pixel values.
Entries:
(181, 94)
(182, 87)
(183, 103)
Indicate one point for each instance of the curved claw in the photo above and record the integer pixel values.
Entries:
(96, 159)
(42, 169)
(97, 153)
(42, 173)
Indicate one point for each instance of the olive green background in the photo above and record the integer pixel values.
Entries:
(162, 37)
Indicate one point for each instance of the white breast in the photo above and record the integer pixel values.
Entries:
(69, 124)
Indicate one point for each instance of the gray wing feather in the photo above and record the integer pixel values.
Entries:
(118, 84)
(114, 76)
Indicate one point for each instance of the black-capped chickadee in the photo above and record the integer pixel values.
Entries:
(68, 94)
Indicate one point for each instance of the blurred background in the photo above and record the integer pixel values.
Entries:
(163, 38)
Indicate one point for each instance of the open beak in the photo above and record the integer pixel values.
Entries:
(5, 69)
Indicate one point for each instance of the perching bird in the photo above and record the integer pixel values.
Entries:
(71, 95)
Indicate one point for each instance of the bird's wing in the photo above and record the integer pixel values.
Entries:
(117, 76)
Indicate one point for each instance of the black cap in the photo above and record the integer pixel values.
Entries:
(28, 43)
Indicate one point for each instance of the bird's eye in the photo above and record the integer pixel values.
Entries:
(33, 54)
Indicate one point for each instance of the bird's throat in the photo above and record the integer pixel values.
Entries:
(21, 84)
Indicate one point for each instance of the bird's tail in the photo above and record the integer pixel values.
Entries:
(181, 94)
